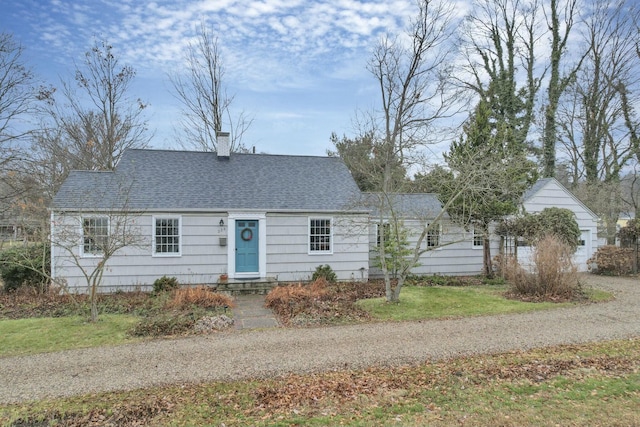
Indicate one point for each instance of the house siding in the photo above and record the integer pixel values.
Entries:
(203, 259)
(456, 256)
(288, 257)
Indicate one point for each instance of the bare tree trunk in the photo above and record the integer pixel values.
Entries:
(486, 256)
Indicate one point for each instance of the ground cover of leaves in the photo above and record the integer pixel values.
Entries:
(324, 303)
(474, 390)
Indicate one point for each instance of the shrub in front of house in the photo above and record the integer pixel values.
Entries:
(555, 277)
(325, 272)
(165, 284)
(320, 302)
(290, 300)
(26, 266)
(200, 296)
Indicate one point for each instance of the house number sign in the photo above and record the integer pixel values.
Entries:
(246, 234)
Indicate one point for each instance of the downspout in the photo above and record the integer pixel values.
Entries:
(51, 254)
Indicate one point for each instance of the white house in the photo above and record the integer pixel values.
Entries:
(198, 215)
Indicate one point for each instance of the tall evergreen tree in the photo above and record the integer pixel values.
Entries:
(487, 142)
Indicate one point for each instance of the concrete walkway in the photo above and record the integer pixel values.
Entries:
(251, 313)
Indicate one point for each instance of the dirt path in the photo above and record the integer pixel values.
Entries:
(277, 351)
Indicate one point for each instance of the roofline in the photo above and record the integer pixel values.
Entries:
(234, 154)
(219, 211)
(552, 179)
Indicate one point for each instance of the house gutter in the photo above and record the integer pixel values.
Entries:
(216, 211)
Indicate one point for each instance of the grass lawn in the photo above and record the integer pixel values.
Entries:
(576, 385)
(436, 302)
(41, 335)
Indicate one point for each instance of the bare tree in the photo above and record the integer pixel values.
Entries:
(98, 118)
(412, 76)
(204, 98)
(592, 116)
(17, 96)
(86, 238)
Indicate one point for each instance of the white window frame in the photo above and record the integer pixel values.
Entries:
(154, 251)
(385, 227)
(438, 232)
(474, 235)
(83, 252)
(309, 235)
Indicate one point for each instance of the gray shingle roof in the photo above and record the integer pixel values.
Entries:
(183, 180)
(408, 205)
(537, 186)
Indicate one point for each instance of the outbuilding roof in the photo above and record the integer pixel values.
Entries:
(165, 180)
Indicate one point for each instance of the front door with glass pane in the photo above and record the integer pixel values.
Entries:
(247, 246)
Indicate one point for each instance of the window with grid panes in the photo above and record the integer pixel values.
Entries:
(320, 235)
(478, 239)
(167, 235)
(95, 232)
(433, 236)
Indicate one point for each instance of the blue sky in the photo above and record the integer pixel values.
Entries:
(298, 67)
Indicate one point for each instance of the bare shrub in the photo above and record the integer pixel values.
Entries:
(292, 299)
(510, 269)
(288, 296)
(200, 296)
(554, 277)
(612, 260)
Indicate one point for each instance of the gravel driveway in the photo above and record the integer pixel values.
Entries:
(265, 353)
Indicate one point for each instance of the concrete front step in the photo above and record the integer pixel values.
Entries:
(246, 286)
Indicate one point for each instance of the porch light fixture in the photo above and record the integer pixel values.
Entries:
(221, 222)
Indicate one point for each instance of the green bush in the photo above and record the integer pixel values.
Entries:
(26, 266)
(554, 221)
(326, 272)
(165, 284)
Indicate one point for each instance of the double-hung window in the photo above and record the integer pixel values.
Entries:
(433, 236)
(95, 235)
(478, 238)
(384, 231)
(320, 236)
(166, 236)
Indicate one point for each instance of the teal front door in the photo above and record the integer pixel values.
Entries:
(247, 246)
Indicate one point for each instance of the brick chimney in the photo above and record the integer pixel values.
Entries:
(224, 146)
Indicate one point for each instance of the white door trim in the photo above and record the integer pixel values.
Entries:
(261, 217)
